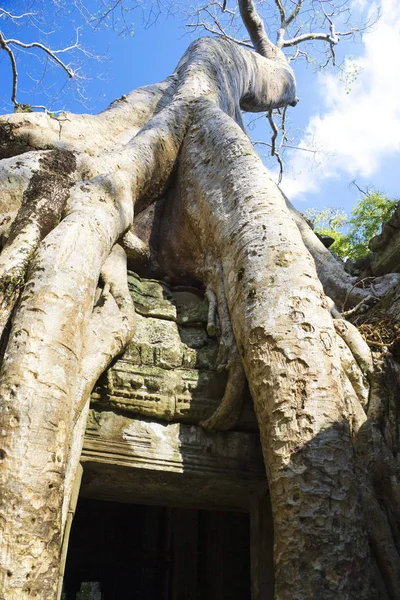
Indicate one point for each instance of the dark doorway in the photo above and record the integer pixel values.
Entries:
(137, 552)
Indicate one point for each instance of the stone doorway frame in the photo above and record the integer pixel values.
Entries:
(179, 466)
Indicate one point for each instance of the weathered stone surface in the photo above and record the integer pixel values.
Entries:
(194, 337)
(148, 296)
(168, 371)
(190, 464)
(327, 240)
(386, 246)
(191, 309)
(386, 258)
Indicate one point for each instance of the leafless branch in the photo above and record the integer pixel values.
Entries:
(274, 151)
(50, 53)
(9, 15)
(214, 31)
(281, 12)
(364, 192)
(295, 13)
(259, 143)
(222, 6)
(206, 17)
(301, 54)
(285, 21)
(283, 126)
(255, 27)
(306, 37)
(13, 62)
(216, 22)
(6, 45)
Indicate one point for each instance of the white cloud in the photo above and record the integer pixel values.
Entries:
(356, 129)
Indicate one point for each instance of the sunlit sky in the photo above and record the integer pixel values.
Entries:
(354, 125)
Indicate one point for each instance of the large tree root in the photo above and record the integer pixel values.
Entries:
(110, 329)
(378, 475)
(301, 366)
(91, 134)
(228, 412)
(42, 206)
(46, 353)
(378, 472)
(111, 325)
(226, 212)
(47, 371)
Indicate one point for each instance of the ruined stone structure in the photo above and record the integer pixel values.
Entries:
(195, 517)
(167, 508)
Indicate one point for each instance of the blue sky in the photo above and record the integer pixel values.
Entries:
(356, 132)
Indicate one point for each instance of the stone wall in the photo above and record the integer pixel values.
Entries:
(143, 441)
(168, 371)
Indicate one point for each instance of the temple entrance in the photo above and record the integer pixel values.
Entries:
(138, 552)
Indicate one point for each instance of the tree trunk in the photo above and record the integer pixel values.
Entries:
(287, 341)
(64, 294)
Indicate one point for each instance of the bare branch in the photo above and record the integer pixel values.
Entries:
(217, 22)
(285, 22)
(255, 26)
(332, 37)
(51, 53)
(15, 17)
(281, 12)
(283, 127)
(210, 29)
(364, 192)
(295, 13)
(4, 46)
(259, 143)
(306, 37)
(274, 151)
(341, 34)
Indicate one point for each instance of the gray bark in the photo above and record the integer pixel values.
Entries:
(288, 346)
(63, 291)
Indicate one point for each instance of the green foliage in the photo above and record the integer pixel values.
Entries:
(352, 233)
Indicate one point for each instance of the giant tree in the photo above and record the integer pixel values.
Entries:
(71, 188)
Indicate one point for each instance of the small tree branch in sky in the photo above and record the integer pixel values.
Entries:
(285, 21)
(5, 13)
(281, 11)
(4, 46)
(51, 53)
(274, 151)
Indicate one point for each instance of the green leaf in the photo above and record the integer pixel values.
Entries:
(352, 234)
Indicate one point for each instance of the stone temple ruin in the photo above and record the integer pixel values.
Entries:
(166, 509)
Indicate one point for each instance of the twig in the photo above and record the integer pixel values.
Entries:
(285, 146)
(51, 53)
(207, 27)
(355, 284)
(4, 46)
(358, 187)
(274, 151)
(16, 17)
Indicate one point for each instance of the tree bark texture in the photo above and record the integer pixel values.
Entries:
(71, 188)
